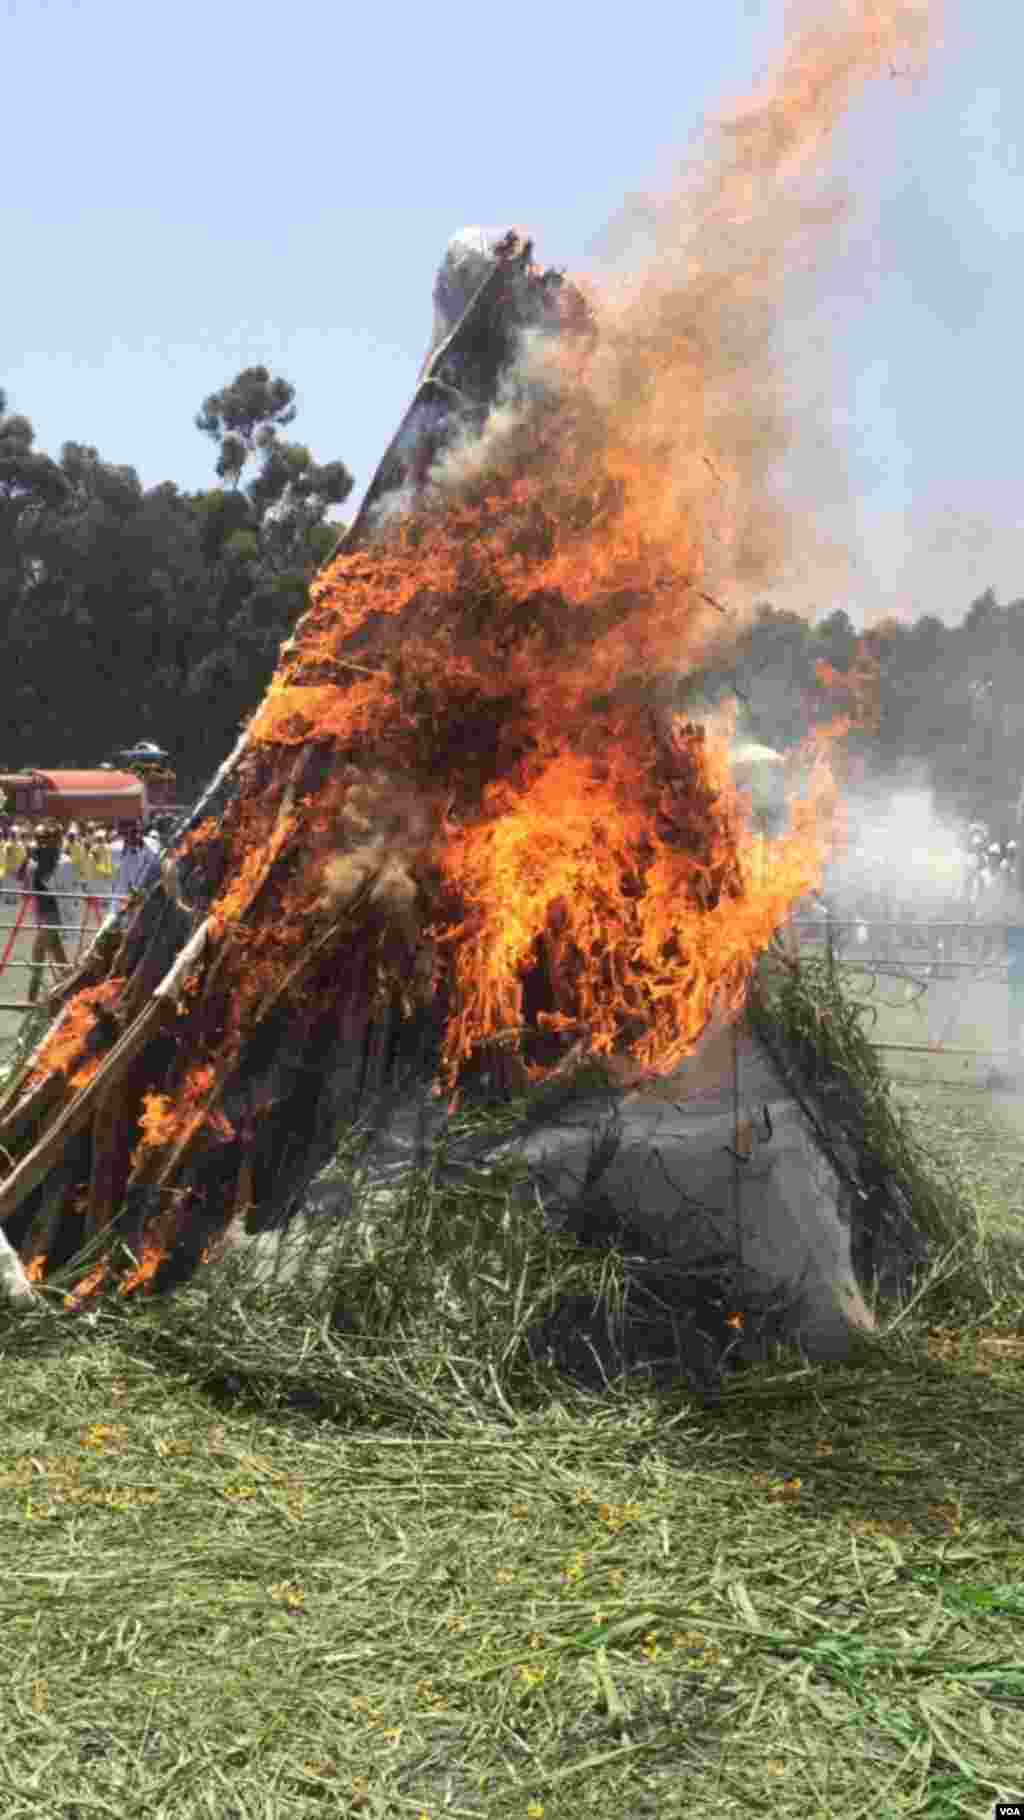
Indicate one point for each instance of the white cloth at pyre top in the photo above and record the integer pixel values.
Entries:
(468, 260)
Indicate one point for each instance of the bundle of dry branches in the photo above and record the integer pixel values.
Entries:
(454, 818)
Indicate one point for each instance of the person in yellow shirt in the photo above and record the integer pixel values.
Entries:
(74, 848)
(97, 864)
(14, 851)
(13, 854)
(40, 878)
(93, 869)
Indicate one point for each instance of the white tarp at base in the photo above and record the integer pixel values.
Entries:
(678, 1177)
(14, 1284)
(663, 1161)
(669, 1175)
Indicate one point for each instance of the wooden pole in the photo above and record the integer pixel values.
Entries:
(133, 945)
(32, 1169)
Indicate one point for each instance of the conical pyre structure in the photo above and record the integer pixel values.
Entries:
(456, 836)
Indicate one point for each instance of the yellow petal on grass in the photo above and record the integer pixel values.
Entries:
(1003, 1345)
(688, 1639)
(882, 1526)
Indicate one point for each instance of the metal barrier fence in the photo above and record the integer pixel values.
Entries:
(939, 937)
(921, 952)
(102, 904)
(931, 949)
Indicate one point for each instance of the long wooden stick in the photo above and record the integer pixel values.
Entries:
(99, 952)
(15, 1113)
(161, 1168)
(44, 1225)
(272, 853)
(10, 1096)
(33, 1168)
(35, 1104)
(115, 1112)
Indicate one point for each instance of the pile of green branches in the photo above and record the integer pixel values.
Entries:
(819, 1037)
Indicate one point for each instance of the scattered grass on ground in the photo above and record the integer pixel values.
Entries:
(277, 1553)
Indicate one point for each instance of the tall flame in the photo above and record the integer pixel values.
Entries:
(548, 849)
(509, 652)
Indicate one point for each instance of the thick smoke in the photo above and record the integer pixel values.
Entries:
(707, 412)
(905, 864)
(531, 381)
(902, 854)
(697, 377)
(636, 519)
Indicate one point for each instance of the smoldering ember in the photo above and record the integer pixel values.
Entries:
(465, 848)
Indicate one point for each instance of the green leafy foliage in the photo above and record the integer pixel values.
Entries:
(933, 700)
(819, 1037)
(165, 606)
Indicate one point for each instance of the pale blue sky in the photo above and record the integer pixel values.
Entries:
(193, 189)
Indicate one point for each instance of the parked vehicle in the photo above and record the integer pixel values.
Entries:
(75, 796)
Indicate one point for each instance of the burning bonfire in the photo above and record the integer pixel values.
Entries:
(464, 830)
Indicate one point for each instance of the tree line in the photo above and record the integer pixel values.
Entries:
(927, 702)
(155, 613)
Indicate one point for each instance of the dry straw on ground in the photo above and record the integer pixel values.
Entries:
(280, 1553)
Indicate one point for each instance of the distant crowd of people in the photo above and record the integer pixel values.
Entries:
(975, 881)
(935, 897)
(991, 869)
(61, 869)
(965, 907)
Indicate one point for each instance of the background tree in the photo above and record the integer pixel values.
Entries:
(263, 543)
(130, 612)
(155, 605)
(236, 415)
(30, 486)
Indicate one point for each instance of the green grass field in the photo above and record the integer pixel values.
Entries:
(270, 1553)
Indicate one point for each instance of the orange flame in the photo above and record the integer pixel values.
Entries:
(89, 1285)
(144, 1273)
(506, 661)
(500, 652)
(65, 1046)
(651, 956)
(158, 1123)
(861, 686)
(163, 1119)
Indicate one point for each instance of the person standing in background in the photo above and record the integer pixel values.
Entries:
(115, 843)
(103, 862)
(72, 874)
(97, 871)
(139, 865)
(39, 876)
(13, 856)
(103, 855)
